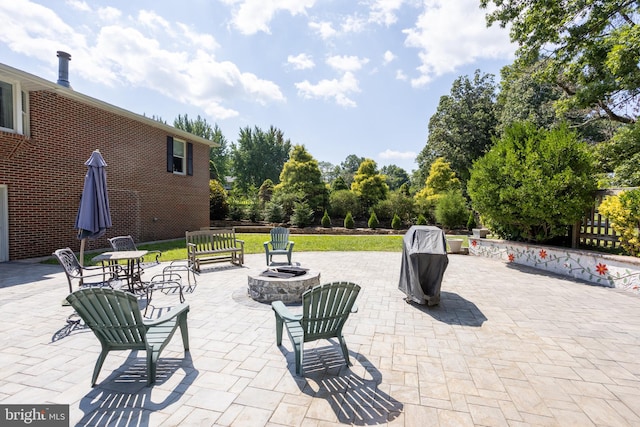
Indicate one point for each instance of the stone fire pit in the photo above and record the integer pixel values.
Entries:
(286, 284)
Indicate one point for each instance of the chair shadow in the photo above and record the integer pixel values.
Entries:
(74, 323)
(352, 392)
(453, 310)
(124, 399)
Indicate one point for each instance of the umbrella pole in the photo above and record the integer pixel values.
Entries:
(82, 242)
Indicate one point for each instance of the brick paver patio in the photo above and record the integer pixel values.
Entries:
(507, 346)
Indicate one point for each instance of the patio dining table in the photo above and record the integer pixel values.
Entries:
(132, 270)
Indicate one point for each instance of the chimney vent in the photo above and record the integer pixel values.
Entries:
(63, 68)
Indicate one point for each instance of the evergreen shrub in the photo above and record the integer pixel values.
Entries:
(349, 222)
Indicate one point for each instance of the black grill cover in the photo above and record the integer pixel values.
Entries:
(424, 260)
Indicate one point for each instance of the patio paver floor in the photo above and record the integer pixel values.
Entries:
(507, 346)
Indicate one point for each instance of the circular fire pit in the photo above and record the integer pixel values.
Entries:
(273, 285)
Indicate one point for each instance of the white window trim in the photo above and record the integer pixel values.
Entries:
(184, 156)
(18, 117)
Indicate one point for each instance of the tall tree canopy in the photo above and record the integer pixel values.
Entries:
(218, 156)
(591, 48)
(258, 156)
(463, 125)
(302, 174)
(369, 184)
(396, 176)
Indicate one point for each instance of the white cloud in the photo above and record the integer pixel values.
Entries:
(252, 16)
(79, 5)
(324, 29)
(346, 63)
(400, 75)
(150, 52)
(391, 154)
(388, 57)
(383, 11)
(109, 14)
(301, 61)
(331, 89)
(353, 24)
(452, 34)
(44, 34)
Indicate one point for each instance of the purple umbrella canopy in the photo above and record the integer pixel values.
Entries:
(94, 216)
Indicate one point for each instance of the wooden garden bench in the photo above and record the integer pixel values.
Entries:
(207, 246)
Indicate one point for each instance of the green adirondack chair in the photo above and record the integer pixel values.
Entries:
(115, 319)
(279, 244)
(325, 309)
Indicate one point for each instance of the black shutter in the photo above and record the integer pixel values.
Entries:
(189, 158)
(170, 154)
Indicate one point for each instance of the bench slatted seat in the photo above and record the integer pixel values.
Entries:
(213, 245)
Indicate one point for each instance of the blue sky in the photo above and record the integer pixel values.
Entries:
(341, 77)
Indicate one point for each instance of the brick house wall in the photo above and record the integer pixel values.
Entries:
(44, 174)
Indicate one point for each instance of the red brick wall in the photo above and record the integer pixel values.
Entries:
(45, 175)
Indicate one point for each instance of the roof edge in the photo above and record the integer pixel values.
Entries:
(32, 83)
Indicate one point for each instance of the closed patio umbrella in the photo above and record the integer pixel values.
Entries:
(94, 216)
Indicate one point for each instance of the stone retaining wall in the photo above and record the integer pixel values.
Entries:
(613, 271)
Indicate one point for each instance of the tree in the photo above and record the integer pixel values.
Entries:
(218, 204)
(349, 167)
(619, 158)
(218, 156)
(590, 48)
(522, 98)
(329, 171)
(339, 184)
(369, 185)
(258, 156)
(440, 180)
(533, 183)
(302, 174)
(396, 176)
(462, 128)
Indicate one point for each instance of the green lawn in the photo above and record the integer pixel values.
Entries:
(176, 249)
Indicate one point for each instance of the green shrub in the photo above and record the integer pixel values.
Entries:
(218, 204)
(254, 213)
(326, 221)
(396, 222)
(373, 220)
(533, 183)
(236, 211)
(302, 215)
(451, 210)
(397, 203)
(342, 202)
(421, 220)
(265, 192)
(348, 221)
(471, 222)
(623, 211)
(273, 212)
(287, 200)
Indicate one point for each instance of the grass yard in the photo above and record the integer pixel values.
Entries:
(253, 244)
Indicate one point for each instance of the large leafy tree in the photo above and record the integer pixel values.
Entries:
(258, 156)
(396, 176)
(218, 156)
(369, 184)
(301, 174)
(590, 48)
(533, 183)
(463, 125)
(349, 167)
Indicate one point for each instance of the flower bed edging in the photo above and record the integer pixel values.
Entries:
(613, 271)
